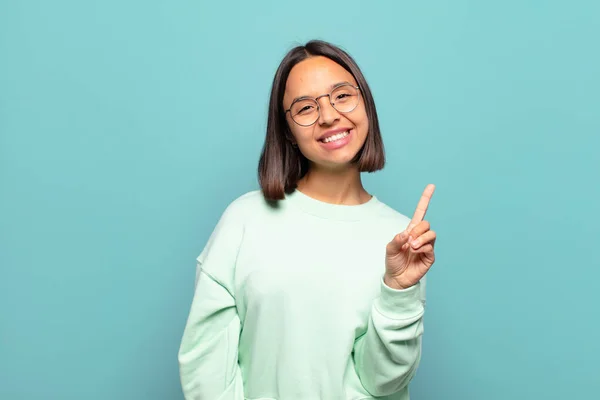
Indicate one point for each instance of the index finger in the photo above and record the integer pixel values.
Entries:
(422, 206)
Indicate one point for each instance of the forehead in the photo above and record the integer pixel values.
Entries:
(314, 76)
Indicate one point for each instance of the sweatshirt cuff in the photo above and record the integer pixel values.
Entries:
(400, 304)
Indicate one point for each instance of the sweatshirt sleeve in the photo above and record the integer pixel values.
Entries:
(208, 354)
(386, 357)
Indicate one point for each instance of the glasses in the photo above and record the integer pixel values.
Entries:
(305, 111)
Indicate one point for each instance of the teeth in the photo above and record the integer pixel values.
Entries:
(336, 137)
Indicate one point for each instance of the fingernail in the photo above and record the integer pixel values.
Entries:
(410, 238)
(415, 243)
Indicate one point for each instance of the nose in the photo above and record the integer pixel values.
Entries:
(327, 114)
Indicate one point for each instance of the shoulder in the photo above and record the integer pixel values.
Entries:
(252, 198)
(389, 219)
(390, 213)
(248, 208)
(244, 206)
(229, 230)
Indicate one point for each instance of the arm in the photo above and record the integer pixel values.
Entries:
(208, 354)
(386, 357)
(388, 354)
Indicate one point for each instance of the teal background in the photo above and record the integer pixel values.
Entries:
(126, 127)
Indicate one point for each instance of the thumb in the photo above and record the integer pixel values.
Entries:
(395, 246)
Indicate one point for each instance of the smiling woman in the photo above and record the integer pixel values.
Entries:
(318, 91)
(342, 126)
(311, 288)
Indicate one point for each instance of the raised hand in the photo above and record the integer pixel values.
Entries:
(410, 254)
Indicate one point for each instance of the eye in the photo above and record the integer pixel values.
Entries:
(305, 109)
(344, 94)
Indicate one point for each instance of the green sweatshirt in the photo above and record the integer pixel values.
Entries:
(290, 304)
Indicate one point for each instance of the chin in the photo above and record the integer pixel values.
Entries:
(340, 158)
(341, 162)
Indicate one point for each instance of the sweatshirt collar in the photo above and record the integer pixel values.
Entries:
(326, 210)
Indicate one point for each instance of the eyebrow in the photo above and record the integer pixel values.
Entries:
(335, 85)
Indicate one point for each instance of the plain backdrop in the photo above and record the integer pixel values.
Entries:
(126, 127)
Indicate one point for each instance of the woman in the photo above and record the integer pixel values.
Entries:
(311, 288)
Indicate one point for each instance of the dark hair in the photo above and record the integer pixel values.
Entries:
(281, 165)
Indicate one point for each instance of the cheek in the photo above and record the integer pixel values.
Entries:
(361, 121)
(293, 131)
(301, 134)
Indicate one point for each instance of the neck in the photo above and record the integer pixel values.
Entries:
(342, 186)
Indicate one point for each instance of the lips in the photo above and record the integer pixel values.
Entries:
(337, 136)
(337, 141)
(333, 132)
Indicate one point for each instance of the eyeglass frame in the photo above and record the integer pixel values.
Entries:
(316, 99)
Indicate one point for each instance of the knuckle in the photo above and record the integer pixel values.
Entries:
(420, 228)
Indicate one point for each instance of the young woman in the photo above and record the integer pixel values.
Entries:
(311, 288)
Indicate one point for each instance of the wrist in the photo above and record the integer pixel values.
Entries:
(392, 283)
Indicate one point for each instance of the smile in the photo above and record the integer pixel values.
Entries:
(337, 140)
(335, 137)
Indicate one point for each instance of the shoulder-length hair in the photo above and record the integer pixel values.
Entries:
(281, 165)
